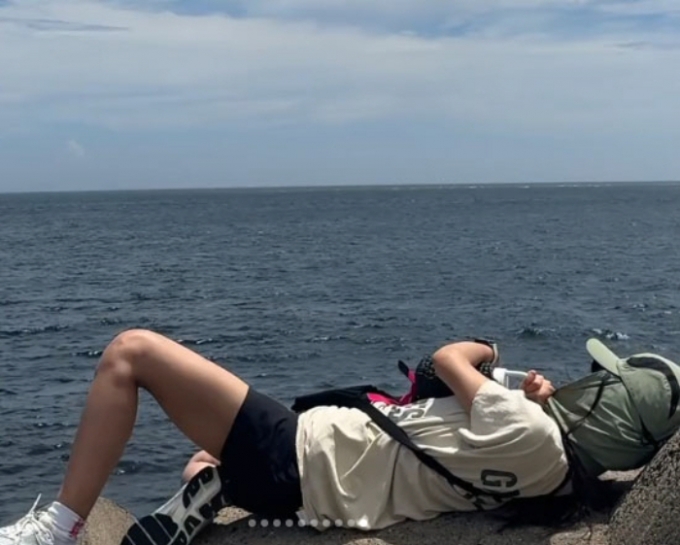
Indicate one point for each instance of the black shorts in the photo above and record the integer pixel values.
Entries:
(259, 460)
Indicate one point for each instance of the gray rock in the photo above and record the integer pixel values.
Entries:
(237, 528)
(650, 513)
(108, 523)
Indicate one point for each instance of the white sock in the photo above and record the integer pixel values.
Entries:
(65, 524)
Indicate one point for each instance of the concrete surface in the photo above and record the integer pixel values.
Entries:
(109, 522)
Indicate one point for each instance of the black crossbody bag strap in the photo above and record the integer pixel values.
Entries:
(355, 398)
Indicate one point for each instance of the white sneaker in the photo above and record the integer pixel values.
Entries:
(170, 506)
(32, 529)
(180, 519)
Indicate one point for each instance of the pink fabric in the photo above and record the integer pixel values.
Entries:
(378, 398)
(407, 398)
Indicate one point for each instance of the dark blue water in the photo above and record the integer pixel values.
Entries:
(297, 290)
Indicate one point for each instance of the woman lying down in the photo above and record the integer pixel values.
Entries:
(336, 465)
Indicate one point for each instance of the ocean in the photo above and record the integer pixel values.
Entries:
(301, 289)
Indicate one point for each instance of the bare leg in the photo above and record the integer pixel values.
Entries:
(200, 397)
(197, 462)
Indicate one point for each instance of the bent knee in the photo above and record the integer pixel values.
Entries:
(131, 344)
(125, 350)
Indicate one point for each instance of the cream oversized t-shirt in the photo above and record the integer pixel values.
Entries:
(353, 473)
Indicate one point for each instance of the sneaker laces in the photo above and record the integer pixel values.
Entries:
(31, 521)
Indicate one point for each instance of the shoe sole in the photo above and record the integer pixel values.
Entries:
(201, 501)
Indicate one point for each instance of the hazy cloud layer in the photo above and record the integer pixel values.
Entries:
(528, 68)
(75, 149)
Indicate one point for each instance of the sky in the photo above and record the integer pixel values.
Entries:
(137, 94)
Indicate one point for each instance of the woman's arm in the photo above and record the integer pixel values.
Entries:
(456, 364)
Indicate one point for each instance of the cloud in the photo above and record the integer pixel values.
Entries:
(55, 24)
(75, 149)
(636, 8)
(166, 70)
(435, 17)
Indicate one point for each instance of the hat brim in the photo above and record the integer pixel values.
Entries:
(602, 355)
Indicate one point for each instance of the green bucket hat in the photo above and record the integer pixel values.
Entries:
(620, 415)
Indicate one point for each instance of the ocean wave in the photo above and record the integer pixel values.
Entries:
(356, 325)
(49, 425)
(9, 302)
(610, 335)
(42, 448)
(7, 333)
(328, 338)
(110, 321)
(196, 342)
(139, 296)
(127, 467)
(88, 353)
(259, 357)
(253, 336)
(535, 332)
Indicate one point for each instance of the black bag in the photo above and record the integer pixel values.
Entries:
(357, 397)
